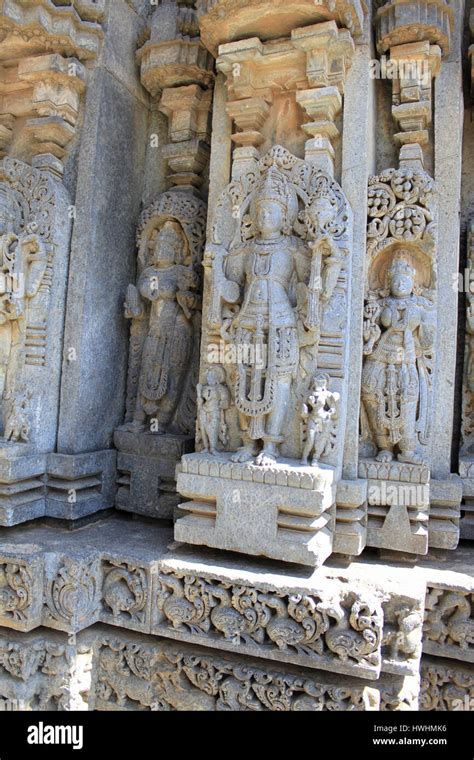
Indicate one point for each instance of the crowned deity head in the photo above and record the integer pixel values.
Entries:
(10, 211)
(272, 204)
(401, 276)
(168, 246)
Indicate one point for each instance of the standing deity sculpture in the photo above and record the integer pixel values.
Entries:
(269, 287)
(258, 276)
(318, 414)
(166, 297)
(396, 381)
(23, 263)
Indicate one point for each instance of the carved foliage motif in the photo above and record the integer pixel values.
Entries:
(16, 582)
(72, 598)
(138, 677)
(444, 688)
(55, 676)
(400, 205)
(349, 630)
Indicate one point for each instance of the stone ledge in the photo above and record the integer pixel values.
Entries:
(47, 26)
(359, 618)
(105, 670)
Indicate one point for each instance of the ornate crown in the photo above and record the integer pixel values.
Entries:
(274, 187)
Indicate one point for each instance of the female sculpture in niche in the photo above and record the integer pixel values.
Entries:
(23, 262)
(169, 286)
(396, 382)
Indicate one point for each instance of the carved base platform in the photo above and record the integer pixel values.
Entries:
(286, 512)
(146, 466)
(63, 486)
(137, 672)
(347, 620)
(357, 625)
(107, 670)
(398, 498)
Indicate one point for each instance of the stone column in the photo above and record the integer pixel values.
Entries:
(271, 427)
(47, 60)
(407, 389)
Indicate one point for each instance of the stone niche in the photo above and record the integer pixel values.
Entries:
(164, 307)
(34, 238)
(272, 365)
(274, 355)
(408, 510)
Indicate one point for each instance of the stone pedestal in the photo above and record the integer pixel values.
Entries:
(285, 512)
(398, 497)
(146, 467)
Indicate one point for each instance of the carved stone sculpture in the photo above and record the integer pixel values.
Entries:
(213, 399)
(164, 309)
(23, 268)
(169, 284)
(274, 315)
(318, 414)
(466, 463)
(396, 382)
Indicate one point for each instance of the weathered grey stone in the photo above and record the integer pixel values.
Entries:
(326, 456)
(160, 675)
(279, 512)
(44, 671)
(446, 685)
(146, 468)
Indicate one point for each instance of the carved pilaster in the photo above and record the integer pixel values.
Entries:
(466, 462)
(45, 52)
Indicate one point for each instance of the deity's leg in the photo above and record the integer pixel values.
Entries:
(408, 441)
(249, 447)
(308, 446)
(319, 447)
(204, 435)
(275, 423)
(373, 384)
(138, 424)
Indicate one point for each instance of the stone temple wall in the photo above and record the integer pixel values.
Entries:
(236, 355)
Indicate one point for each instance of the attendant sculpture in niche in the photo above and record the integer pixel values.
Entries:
(213, 399)
(166, 296)
(23, 262)
(318, 414)
(396, 380)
